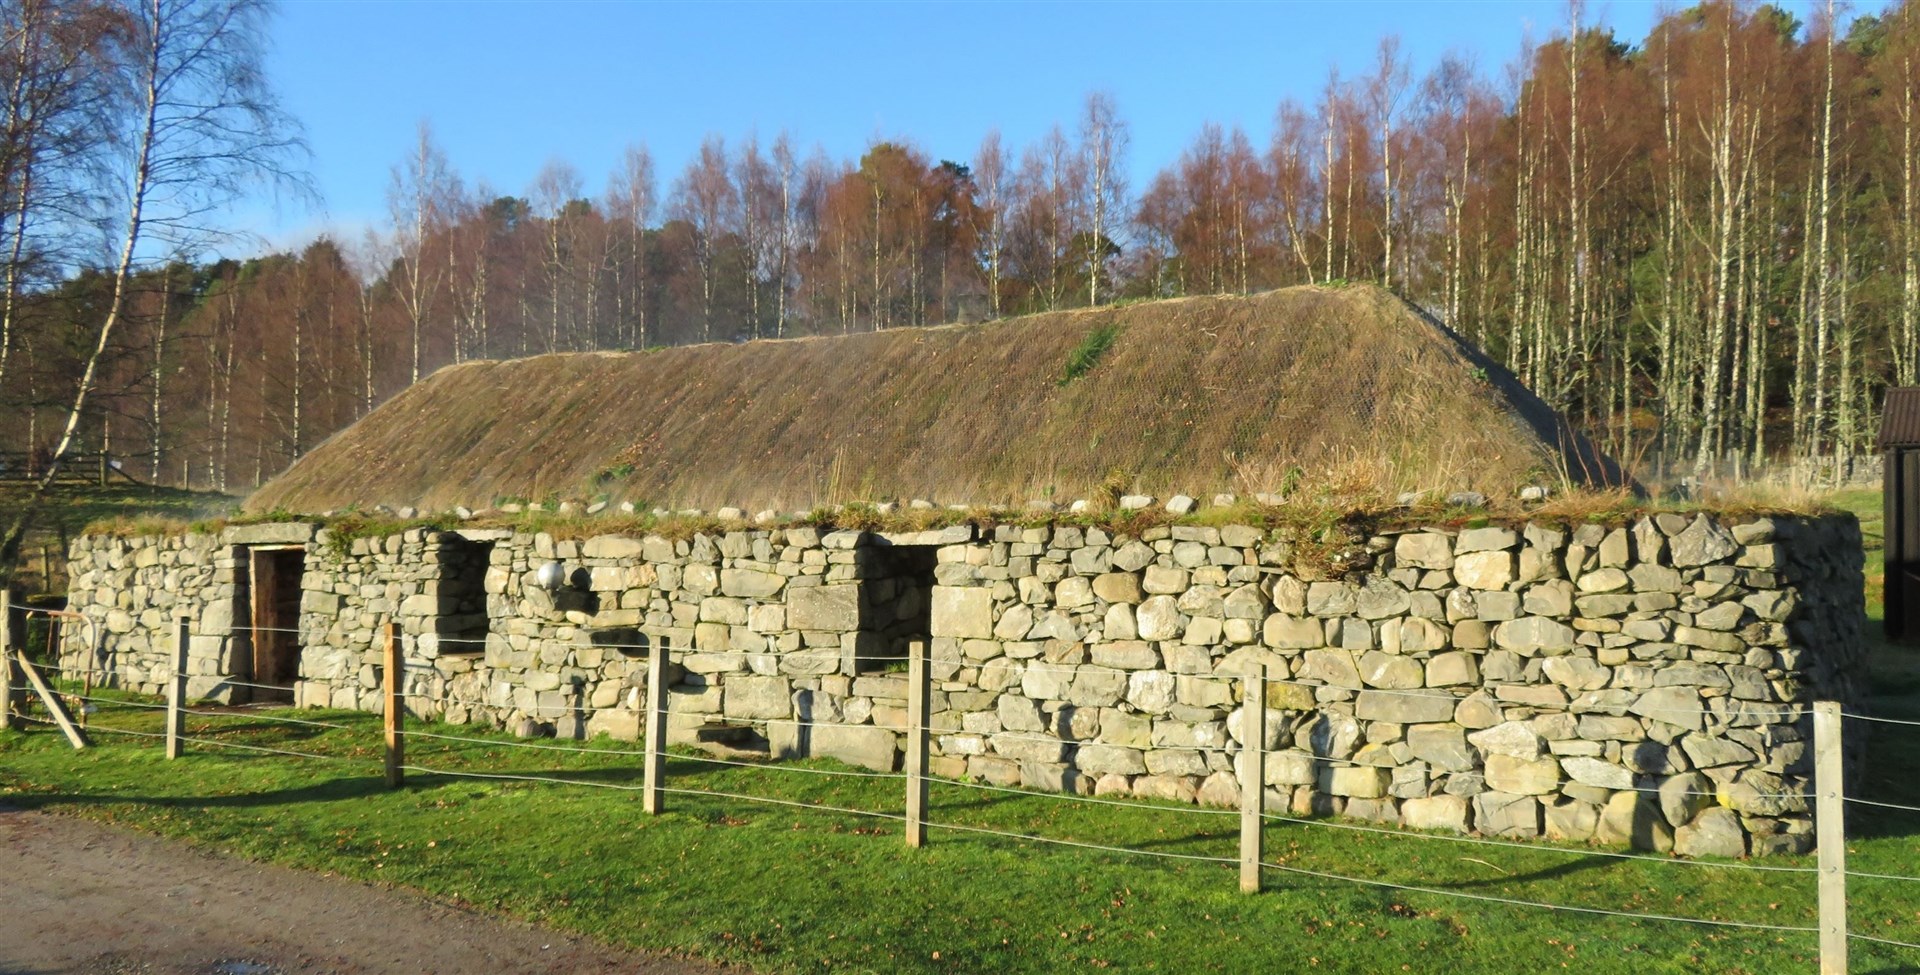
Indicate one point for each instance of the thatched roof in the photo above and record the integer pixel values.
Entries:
(1195, 395)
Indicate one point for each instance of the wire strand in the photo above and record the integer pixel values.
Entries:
(410, 733)
(1030, 666)
(56, 670)
(1092, 800)
(948, 732)
(707, 759)
(1854, 936)
(641, 754)
(203, 713)
(1882, 876)
(1879, 720)
(1082, 845)
(1881, 805)
(1546, 905)
(206, 741)
(1542, 848)
(1286, 868)
(896, 817)
(518, 777)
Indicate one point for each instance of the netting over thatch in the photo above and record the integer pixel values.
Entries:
(1195, 395)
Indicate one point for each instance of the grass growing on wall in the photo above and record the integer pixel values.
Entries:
(779, 889)
(1088, 353)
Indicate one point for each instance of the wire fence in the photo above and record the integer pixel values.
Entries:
(1824, 789)
(1039, 666)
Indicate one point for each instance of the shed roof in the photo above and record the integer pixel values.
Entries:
(1900, 418)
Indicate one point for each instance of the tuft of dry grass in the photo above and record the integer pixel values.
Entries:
(1601, 504)
(1766, 495)
(1192, 395)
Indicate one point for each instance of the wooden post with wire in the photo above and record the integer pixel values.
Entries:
(177, 689)
(919, 694)
(394, 707)
(6, 658)
(1253, 778)
(1830, 829)
(56, 705)
(655, 726)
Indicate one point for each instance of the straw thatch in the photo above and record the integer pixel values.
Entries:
(1195, 395)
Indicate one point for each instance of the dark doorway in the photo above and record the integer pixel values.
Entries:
(897, 605)
(463, 596)
(275, 606)
(1900, 481)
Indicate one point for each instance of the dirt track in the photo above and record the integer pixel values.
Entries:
(77, 897)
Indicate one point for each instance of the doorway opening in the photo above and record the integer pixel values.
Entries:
(897, 605)
(463, 621)
(273, 604)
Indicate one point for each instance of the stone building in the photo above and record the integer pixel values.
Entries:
(1640, 682)
(1645, 683)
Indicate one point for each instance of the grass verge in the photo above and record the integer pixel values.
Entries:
(784, 889)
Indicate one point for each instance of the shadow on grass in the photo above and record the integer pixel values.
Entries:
(1891, 772)
(328, 790)
(337, 789)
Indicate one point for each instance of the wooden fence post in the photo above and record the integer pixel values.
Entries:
(177, 690)
(394, 707)
(1830, 825)
(919, 694)
(56, 706)
(1253, 777)
(655, 726)
(6, 659)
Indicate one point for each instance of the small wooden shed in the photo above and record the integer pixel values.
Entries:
(1900, 441)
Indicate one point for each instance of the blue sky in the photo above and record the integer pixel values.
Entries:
(509, 85)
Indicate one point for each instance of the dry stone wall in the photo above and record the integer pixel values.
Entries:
(135, 588)
(756, 620)
(1644, 684)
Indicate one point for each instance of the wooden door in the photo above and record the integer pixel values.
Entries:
(276, 619)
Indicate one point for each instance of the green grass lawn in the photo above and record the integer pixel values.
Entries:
(787, 889)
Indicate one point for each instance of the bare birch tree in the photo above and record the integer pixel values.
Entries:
(419, 193)
(632, 198)
(992, 175)
(202, 125)
(1103, 147)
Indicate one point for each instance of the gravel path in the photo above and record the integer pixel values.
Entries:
(82, 898)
